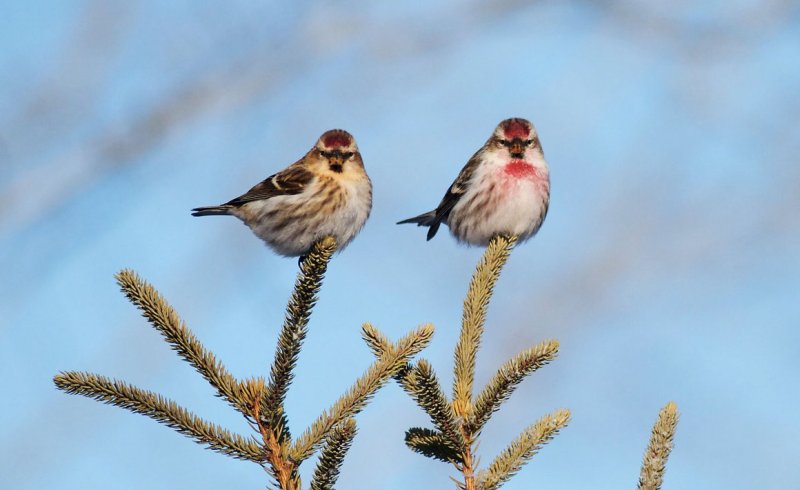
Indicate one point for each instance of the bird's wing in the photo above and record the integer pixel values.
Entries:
(289, 181)
(457, 189)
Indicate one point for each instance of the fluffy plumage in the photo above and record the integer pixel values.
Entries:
(327, 192)
(503, 189)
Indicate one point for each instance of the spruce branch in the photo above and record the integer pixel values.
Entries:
(330, 461)
(657, 453)
(474, 317)
(421, 384)
(428, 393)
(357, 396)
(284, 470)
(164, 319)
(259, 400)
(161, 409)
(460, 422)
(522, 449)
(294, 329)
(433, 444)
(251, 390)
(379, 344)
(502, 385)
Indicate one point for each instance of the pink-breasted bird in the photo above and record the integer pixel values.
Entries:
(503, 189)
(327, 192)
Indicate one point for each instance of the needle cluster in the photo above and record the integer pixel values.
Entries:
(261, 402)
(458, 421)
(657, 452)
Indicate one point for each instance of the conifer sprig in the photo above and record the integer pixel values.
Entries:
(167, 322)
(379, 344)
(295, 325)
(428, 393)
(260, 402)
(155, 406)
(522, 449)
(502, 385)
(433, 444)
(657, 452)
(473, 319)
(459, 422)
(362, 390)
(330, 460)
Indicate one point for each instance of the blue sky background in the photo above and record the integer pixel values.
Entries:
(668, 266)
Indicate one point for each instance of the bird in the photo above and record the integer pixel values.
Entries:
(325, 193)
(504, 189)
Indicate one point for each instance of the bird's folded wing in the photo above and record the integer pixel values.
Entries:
(286, 182)
(456, 190)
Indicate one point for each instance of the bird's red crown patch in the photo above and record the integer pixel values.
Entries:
(515, 129)
(336, 139)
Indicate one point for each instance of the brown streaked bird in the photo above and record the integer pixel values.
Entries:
(327, 192)
(503, 189)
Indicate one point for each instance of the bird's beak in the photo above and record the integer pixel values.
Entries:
(517, 147)
(335, 161)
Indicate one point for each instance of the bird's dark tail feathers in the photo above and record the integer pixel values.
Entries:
(428, 219)
(212, 210)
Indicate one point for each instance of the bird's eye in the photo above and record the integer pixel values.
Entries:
(528, 142)
(326, 154)
(505, 143)
(348, 155)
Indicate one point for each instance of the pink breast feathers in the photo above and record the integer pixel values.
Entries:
(520, 169)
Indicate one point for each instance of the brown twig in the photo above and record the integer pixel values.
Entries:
(468, 470)
(283, 469)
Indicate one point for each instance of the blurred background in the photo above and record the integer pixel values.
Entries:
(668, 267)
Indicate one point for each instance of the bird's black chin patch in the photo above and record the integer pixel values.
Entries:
(336, 167)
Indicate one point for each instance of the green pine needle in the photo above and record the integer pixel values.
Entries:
(169, 413)
(260, 402)
(502, 385)
(330, 461)
(379, 344)
(522, 449)
(433, 444)
(428, 394)
(476, 305)
(293, 332)
(358, 395)
(164, 319)
(657, 453)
